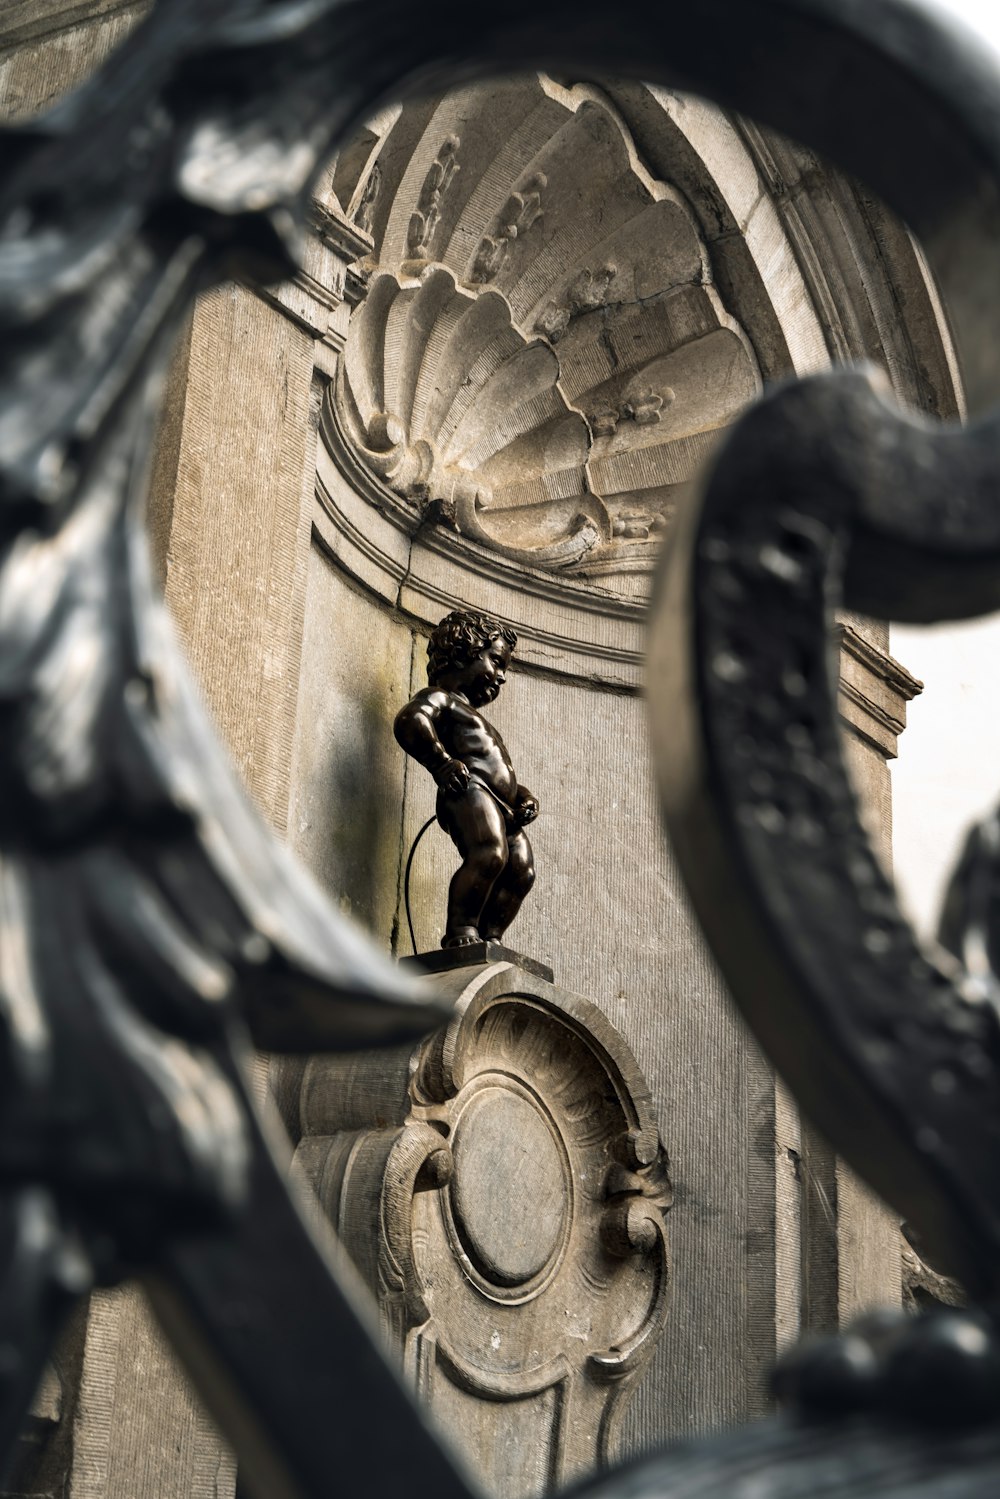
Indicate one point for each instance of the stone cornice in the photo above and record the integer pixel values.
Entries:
(874, 690)
(339, 232)
(883, 666)
(312, 297)
(304, 301)
(24, 21)
(424, 593)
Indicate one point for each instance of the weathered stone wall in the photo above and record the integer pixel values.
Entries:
(767, 1233)
(47, 47)
(348, 774)
(239, 535)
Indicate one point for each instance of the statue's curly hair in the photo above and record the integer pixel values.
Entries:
(461, 635)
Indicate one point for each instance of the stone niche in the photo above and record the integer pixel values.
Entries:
(568, 289)
(503, 1191)
(526, 311)
(541, 359)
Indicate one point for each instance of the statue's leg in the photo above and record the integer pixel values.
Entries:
(42, 1275)
(477, 828)
(509, 889)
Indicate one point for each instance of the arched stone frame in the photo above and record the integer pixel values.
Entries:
(813, 269)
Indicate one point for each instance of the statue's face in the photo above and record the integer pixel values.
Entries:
(486, 673)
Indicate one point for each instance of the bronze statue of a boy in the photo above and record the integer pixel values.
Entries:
(480, 804)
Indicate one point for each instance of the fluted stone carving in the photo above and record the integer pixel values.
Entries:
(541, 358)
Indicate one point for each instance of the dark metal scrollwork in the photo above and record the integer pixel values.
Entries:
(894, 1053)
(148, 920)
(150, 924)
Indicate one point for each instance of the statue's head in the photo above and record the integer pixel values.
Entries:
(460, 641)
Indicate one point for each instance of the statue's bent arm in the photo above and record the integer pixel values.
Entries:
(415, 729)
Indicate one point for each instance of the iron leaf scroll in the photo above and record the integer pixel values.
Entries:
(149, 921)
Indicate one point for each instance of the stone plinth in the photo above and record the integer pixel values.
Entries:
(503, 1192)
(474, 955)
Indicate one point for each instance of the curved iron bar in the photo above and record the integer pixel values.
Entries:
(855, 1459)
(894, 1053)
(146, 915)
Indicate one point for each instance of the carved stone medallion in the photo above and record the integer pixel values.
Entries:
(505, 1200)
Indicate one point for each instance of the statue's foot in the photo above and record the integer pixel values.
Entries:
(463, 936)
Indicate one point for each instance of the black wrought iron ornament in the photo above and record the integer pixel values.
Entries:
(148, 921)
(895, 1053)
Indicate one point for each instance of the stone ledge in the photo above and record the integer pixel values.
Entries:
(474, 955)
(874, 690)
(567, 629)
(312, 297)
(339, 232)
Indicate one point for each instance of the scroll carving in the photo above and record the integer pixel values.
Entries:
(588, 291)
(364, 216)
(518, 1200)
(519, 214)
(427, 216)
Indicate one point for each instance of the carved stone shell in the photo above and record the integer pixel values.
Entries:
(540, 356)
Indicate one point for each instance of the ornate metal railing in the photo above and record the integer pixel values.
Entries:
(149, 925)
